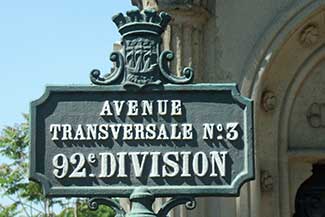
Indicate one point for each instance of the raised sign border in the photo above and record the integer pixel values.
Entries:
(160, 191)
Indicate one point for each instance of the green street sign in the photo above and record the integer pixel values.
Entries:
(190, 139)
(141, 131)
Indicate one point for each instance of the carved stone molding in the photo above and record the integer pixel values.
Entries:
(186, 32)
(309, 35)
(315, 115)
(141, 62)
(171, 4)
(184, 4)
(145, 4)
(269, 101)
(266, 181)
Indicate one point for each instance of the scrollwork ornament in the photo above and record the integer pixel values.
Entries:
(269, 101)
(314, 115)
(112, 77)
(141, 62)
(189, 202)
(309, 35)
(94, 203)
(266, 181)
(187, 74)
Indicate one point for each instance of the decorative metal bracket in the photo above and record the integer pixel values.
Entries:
(141, 63)
(94, 203)
(142, 200)
(189, 202)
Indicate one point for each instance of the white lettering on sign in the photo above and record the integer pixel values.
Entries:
(125, 132)
(107, 164)
(176, 108)
(61, 165)
(137, 164)
(168, 164)
(212, 130)
(106, 110)
(142, 108)
(171, 167)
(200, 159)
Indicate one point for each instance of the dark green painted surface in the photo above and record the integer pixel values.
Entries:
(201, 103)
(71, 159)
(141, 63)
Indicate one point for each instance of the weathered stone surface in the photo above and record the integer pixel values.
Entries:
(263, 45)
(145, 4)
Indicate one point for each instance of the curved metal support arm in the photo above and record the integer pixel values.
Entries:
(190, 203)
(93, 204)
(110, 78)
(187, 74)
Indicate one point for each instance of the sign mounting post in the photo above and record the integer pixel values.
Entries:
(141, 131)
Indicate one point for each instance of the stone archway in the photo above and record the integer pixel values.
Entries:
(282, 90)
(273, 77)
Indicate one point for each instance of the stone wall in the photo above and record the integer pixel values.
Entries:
(274, 50)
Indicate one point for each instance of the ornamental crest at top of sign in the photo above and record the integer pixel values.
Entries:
(141, 63)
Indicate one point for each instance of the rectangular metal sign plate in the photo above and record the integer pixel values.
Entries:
(105, 141)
